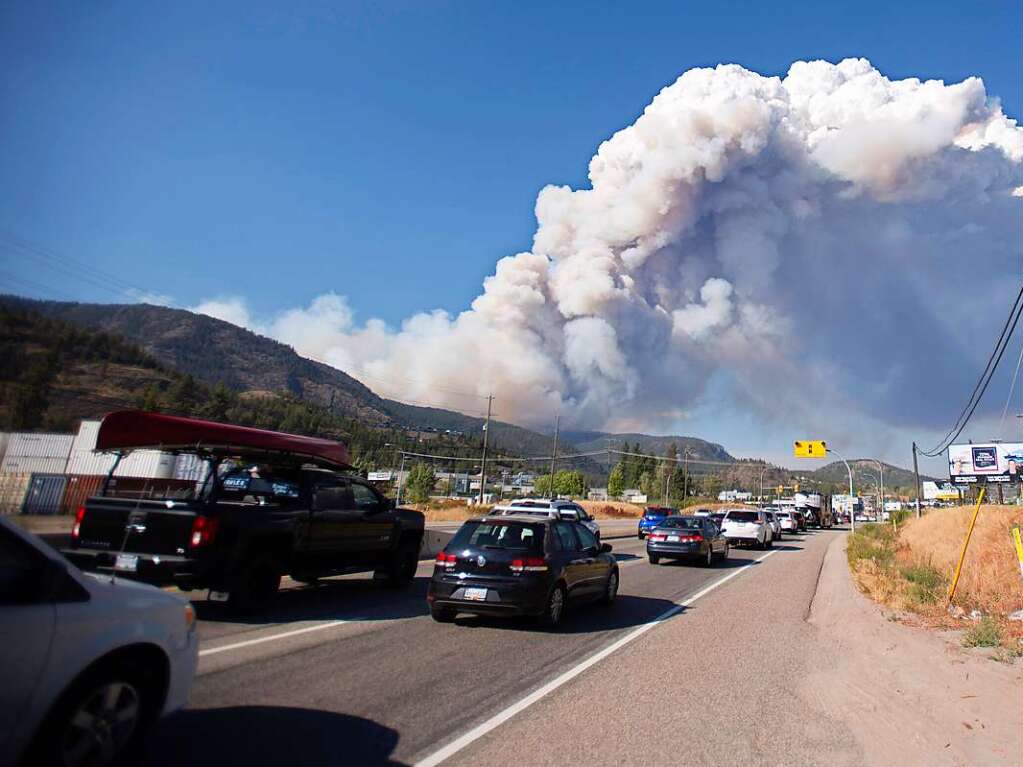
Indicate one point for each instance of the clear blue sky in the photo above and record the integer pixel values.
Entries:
(391, 152)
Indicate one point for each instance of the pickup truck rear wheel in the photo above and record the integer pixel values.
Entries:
(402, 569)
(254, 585)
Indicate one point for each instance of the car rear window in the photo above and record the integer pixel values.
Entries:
(693, 523)
(742, 516)
(513, 536)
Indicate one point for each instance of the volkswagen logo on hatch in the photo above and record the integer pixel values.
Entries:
(481, 560)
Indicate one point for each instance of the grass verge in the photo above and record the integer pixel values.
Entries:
(909, 569)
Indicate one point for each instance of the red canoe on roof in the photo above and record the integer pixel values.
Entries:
(131, 429)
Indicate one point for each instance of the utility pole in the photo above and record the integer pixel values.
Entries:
(554, 456)
(685, 481)
(916, 470)
(762, 482)
(486, 435)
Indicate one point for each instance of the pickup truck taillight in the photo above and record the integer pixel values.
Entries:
(529, 565)
(204, 530)
(76, 529)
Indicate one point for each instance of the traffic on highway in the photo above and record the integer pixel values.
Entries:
(279, 562)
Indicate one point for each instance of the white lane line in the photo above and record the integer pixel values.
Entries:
(503, 716)
(274, 637)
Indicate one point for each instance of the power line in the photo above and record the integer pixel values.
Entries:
(982, 383)
(1012, 388)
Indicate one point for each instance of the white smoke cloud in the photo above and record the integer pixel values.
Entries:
(833, 243)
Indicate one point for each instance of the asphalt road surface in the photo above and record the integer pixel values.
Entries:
(347, 672)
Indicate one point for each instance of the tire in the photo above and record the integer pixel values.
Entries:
(442, 614)
(120, 701)
(610, 589)
(640, 536)
(654, 559)
(402, 569)
(254, 585)
(554, 612)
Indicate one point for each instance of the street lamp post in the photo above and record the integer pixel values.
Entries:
(852, 510)
(762, 482)
(880, 467)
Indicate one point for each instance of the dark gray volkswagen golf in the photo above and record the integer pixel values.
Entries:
(512, 565)
(692, 538)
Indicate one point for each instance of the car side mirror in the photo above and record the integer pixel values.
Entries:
(605, 548)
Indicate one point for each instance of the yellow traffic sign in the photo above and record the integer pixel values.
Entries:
(809, 448)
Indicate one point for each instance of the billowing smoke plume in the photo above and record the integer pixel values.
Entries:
(823, 245)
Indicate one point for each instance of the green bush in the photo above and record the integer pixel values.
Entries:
(868, 543)
(985, 633)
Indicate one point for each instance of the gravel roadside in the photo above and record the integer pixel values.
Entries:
(910, 695)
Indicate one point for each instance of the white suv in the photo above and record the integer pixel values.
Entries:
(748, 526)
(788, 521)
(88, 663)
(555, 509)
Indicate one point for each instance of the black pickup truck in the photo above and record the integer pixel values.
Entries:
(246, 525)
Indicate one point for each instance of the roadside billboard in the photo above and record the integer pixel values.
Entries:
(995, 462)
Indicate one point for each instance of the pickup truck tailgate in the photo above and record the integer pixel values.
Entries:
(150, 527)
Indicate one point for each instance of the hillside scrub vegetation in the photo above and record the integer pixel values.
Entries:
(911, 569)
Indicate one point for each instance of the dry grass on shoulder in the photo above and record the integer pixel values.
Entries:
(991, 581)
(911, 570)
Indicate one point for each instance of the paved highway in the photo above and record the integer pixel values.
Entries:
(346, 672)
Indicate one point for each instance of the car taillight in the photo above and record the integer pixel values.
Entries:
(529, 565)
(76, 529)
(691, 538)
(204, 530)
(445, 560)
(658, 537)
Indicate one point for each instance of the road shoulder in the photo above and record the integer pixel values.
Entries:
(909, 695)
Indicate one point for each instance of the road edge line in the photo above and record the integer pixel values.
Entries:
(503, 716)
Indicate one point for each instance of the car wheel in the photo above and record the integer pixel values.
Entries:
(103, 718)
(611, 589)
(654, 559)
(442, 614)
(640, 536)
(402, 569)
(555, 609)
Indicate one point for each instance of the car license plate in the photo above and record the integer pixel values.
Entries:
(476, 595)
(672, 539)
(128, 562)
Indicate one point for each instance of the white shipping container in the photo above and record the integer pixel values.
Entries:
(36, 453)
(190, 467)
(139, 463)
